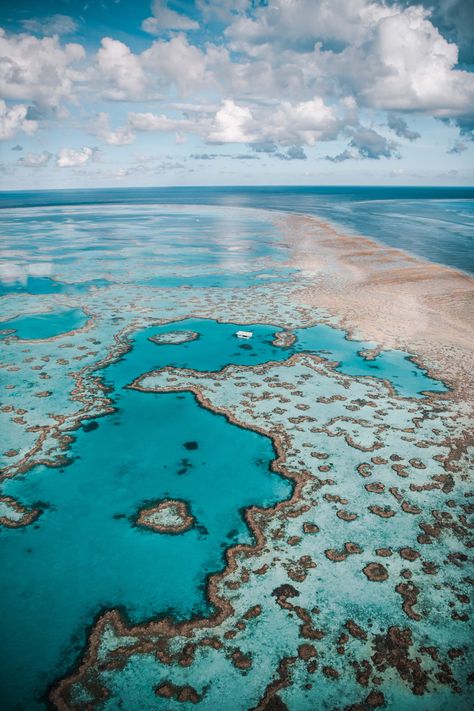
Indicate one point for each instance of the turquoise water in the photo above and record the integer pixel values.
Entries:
(405, 376)
(217, 347)
(46, 325)
(84, 554)
(436, 223)
(219, 281)
(45, 285)
(136, 244)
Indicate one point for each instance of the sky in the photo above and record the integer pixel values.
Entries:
(117, 93)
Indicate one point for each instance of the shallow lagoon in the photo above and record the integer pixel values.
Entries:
(70, 250)
(45, 325)
(84, 554)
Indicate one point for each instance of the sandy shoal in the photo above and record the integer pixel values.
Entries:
(385, 295)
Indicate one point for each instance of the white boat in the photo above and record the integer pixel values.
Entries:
(244, 334)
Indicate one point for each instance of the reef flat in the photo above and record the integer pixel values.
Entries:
(389, 296)
(316, 479)
(169, 516)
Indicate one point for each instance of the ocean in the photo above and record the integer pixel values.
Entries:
(436, 223)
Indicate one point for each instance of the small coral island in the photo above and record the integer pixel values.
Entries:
(166, 516)
(173, 338)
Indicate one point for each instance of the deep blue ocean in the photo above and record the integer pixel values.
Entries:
(436, 223)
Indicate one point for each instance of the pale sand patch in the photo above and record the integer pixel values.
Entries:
(391, 297)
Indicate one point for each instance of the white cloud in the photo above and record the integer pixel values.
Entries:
(35, 160)
(153, 122)
(14, 119)
(300, 24)
(232, 124)
(385, 55)
(176, 62)
(122, 71)
(284, 74)
(39, 70)
(70, 158)
(286, 124)
(303, 123)
(166, 19)
(100, 127)
(140, 77)
(414, 67)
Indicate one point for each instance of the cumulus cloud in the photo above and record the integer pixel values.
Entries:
(400, 127)
(164, 18)
(35, 160)
(50, 25)
(347, 154)
(232, 124)
(386, 56)
(14, 119)
(39, 70)
(293, 153)
(303, 123)
(176, 62)
(271, 149)
(122, 71)
(414, 67)
(153, 122)
(300, 24)
(455, 20)
(371, 144)
(100, 127)
(262, 127)
(140, 77)
(71, 158)
(284, 75)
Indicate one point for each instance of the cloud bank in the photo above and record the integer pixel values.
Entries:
(287, 75)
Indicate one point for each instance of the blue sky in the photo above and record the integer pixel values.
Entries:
(234, 92)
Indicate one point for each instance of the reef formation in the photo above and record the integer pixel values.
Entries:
(169, 516)
(353, 593)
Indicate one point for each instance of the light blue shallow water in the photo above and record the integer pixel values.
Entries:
(46, 285)
(45, 325)
(436, 223)
(97, 245)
